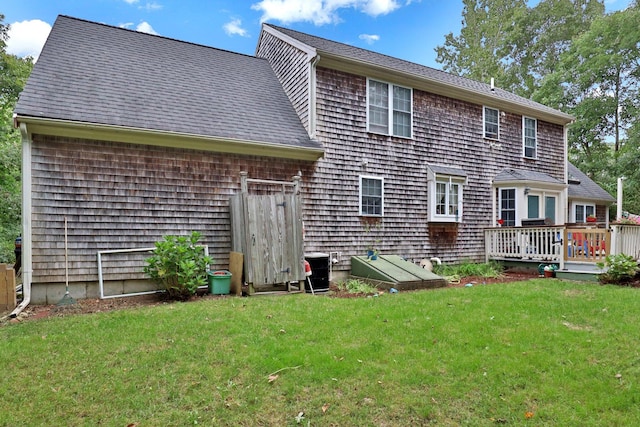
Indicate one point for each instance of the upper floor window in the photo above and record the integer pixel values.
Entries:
(530, 136)
(371, 196)
(390, 109)
(491, 119)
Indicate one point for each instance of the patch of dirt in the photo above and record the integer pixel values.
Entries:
(96, 305)
(93, 305)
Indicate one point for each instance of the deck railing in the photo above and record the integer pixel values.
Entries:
(589, 245)
(562, 244)
(536, 243)
(625, 239)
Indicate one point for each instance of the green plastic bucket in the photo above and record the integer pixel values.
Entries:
(219, 282)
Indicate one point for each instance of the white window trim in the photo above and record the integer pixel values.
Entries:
(524, 138)
(574, 205)
(484, 123)
(390, 110)
(379, 178)
(433, 202)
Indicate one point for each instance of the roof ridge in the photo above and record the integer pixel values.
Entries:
(115, 27)
(395, 58)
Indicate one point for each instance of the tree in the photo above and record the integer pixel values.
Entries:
(479, 51)
(515, 44)
(14, 72)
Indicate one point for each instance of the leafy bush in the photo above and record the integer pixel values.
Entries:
(618, 268)
(179, 265)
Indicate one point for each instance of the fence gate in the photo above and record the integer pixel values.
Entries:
(267, 229)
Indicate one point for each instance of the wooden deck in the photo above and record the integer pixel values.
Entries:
(565, 246)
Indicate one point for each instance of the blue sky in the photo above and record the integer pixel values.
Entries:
(407, 29)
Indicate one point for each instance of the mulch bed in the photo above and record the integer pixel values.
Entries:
(93, 305)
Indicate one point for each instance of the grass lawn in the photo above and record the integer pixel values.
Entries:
(539, 353)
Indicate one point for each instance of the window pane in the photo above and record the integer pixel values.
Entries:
(491, 123)
(533, 206)
(508, 206)
(580, 217)
(378, 107)
(441, 198)
(529, 137)
(401, 111)
(453, 199)
(590, 210)
(550, 208)
(371, 196)
(401, 124)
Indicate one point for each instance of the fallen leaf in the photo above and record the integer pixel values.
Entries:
(325, 407)
(528, 414)
(272, 378)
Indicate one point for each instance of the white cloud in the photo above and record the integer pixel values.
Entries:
(369, 38)
(151, 6)
(145, 27)
(234, 28)
(131, 1)
(319, 12)
(26, 38)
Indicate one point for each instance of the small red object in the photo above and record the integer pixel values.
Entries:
(307, 268)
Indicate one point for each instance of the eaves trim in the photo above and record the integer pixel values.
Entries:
(101, 132)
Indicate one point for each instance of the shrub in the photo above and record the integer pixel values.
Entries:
(618, 268)
(179, 265)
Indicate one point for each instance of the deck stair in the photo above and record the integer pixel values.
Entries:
(393, 271)
(579, 271)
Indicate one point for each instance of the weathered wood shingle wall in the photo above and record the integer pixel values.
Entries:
(292, 68)
(118, 196)
(446, 132)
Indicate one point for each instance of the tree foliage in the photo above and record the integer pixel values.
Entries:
(570, 55)
(14, 72)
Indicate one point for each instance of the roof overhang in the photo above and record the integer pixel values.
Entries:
(537, 185)
(102, 132)
(416, 81)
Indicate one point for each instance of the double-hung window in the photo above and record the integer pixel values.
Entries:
(390, 109)
(530, 137)
(491, 120)
(371, 196)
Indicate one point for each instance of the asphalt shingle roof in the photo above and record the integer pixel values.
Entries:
(510, 175)
(583, 187)
(95, 73)
(377, 59)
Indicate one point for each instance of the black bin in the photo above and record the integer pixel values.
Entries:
(319, 263)
(533, 222)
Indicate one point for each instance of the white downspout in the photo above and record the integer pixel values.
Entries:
(619, 199)
(27, 270)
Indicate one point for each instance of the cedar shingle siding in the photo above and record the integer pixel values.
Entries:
(446, 132)
(292, 69)
(119, 196)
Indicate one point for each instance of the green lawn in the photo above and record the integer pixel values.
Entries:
(539, 353)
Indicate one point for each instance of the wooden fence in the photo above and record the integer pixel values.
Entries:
(7, 288)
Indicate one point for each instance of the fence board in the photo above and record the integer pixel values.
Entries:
(7, 288)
